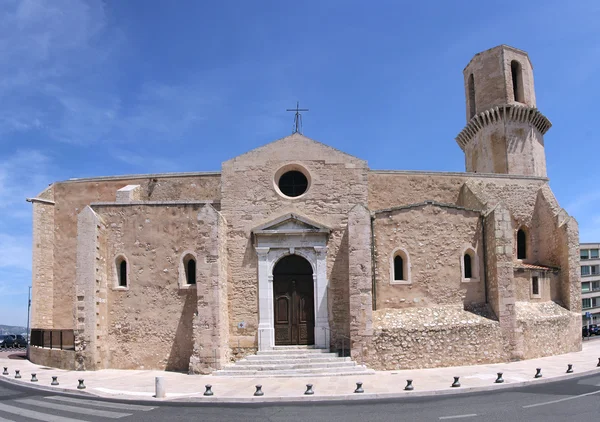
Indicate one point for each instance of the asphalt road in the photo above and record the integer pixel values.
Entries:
(577, 399)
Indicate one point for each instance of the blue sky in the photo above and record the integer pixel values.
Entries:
(91, 88)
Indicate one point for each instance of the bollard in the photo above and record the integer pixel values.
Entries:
(80, 386)
(159, 388)
(259, 391)
(54, 381)
(33, 378)
(499, 380)
(359, 388)
(456, 383)
(5, 371)
(17, 373)
(309, 391)
(208, 391)
(538, 373)
(409, 386)
(569, 368)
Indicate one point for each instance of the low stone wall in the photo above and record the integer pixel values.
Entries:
(434, 337)
(548, 329)
(54, 358)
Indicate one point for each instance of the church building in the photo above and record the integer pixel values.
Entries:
(298, 243)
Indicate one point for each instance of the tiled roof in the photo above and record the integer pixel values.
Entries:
(535, 267)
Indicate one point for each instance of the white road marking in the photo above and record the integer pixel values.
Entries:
(5, 420)
(470, 415)
(73, 409)
(101, 403)
(35, 415)
(560, 400)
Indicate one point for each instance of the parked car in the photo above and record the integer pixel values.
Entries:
(20, 341)
(592, 330)
(2, 337)
(13, 340)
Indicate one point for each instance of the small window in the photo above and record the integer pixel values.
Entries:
(584, 254)
(585, 270)
(521, 244)
(190, 270)
(467, 266)
(595, 269)
(122, 271)
(398, 268)
(585, 287)
(594, 254)
(596, 285)
(586, 303)
(517, 81)
(535, 285)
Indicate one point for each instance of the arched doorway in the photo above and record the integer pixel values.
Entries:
(293, 296)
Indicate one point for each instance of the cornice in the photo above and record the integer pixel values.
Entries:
(500, 114)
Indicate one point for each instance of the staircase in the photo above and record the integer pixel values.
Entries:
(297, 361)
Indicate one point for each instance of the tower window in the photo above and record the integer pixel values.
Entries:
(190, 269)
(467, 265)
(121, 272)
(517, 81)
(471, 87)
(521, 244)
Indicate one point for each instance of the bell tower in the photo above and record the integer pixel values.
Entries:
(504, 131)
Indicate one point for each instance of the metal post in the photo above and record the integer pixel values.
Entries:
(28, 312)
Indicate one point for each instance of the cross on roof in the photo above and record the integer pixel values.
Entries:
(297, 118)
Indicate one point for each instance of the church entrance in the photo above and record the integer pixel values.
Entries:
(293, 294)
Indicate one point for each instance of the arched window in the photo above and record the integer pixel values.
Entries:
(521, 244)
(121, 272)
(398, 268)
(517, 81)
(467, 266)
(190, 269)
(471, 87)
(469, 263)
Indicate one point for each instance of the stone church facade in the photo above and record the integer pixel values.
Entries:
(296, 242)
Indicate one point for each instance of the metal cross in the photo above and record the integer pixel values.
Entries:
(297, 118)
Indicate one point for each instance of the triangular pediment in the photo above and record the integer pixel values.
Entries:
(287, 149)
(291, 224)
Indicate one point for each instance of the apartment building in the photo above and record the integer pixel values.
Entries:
(590, 283)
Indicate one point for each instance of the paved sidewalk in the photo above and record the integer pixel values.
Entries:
(139, 385)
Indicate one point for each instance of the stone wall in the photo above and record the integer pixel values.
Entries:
(434, 337)
(62, 359)
(150, 322)
(72, 196)
(435, 239)
(548, 329)
(249, 198)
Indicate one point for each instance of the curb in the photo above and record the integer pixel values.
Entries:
(195, 400)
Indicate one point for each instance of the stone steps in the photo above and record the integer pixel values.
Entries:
(300, 361)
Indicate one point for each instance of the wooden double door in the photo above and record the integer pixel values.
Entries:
(294, 309)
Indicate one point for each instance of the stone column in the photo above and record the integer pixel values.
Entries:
(211, 325)
(266, 330)
(90, 290)
(500, 278)
(360, 283)
(321, 286)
